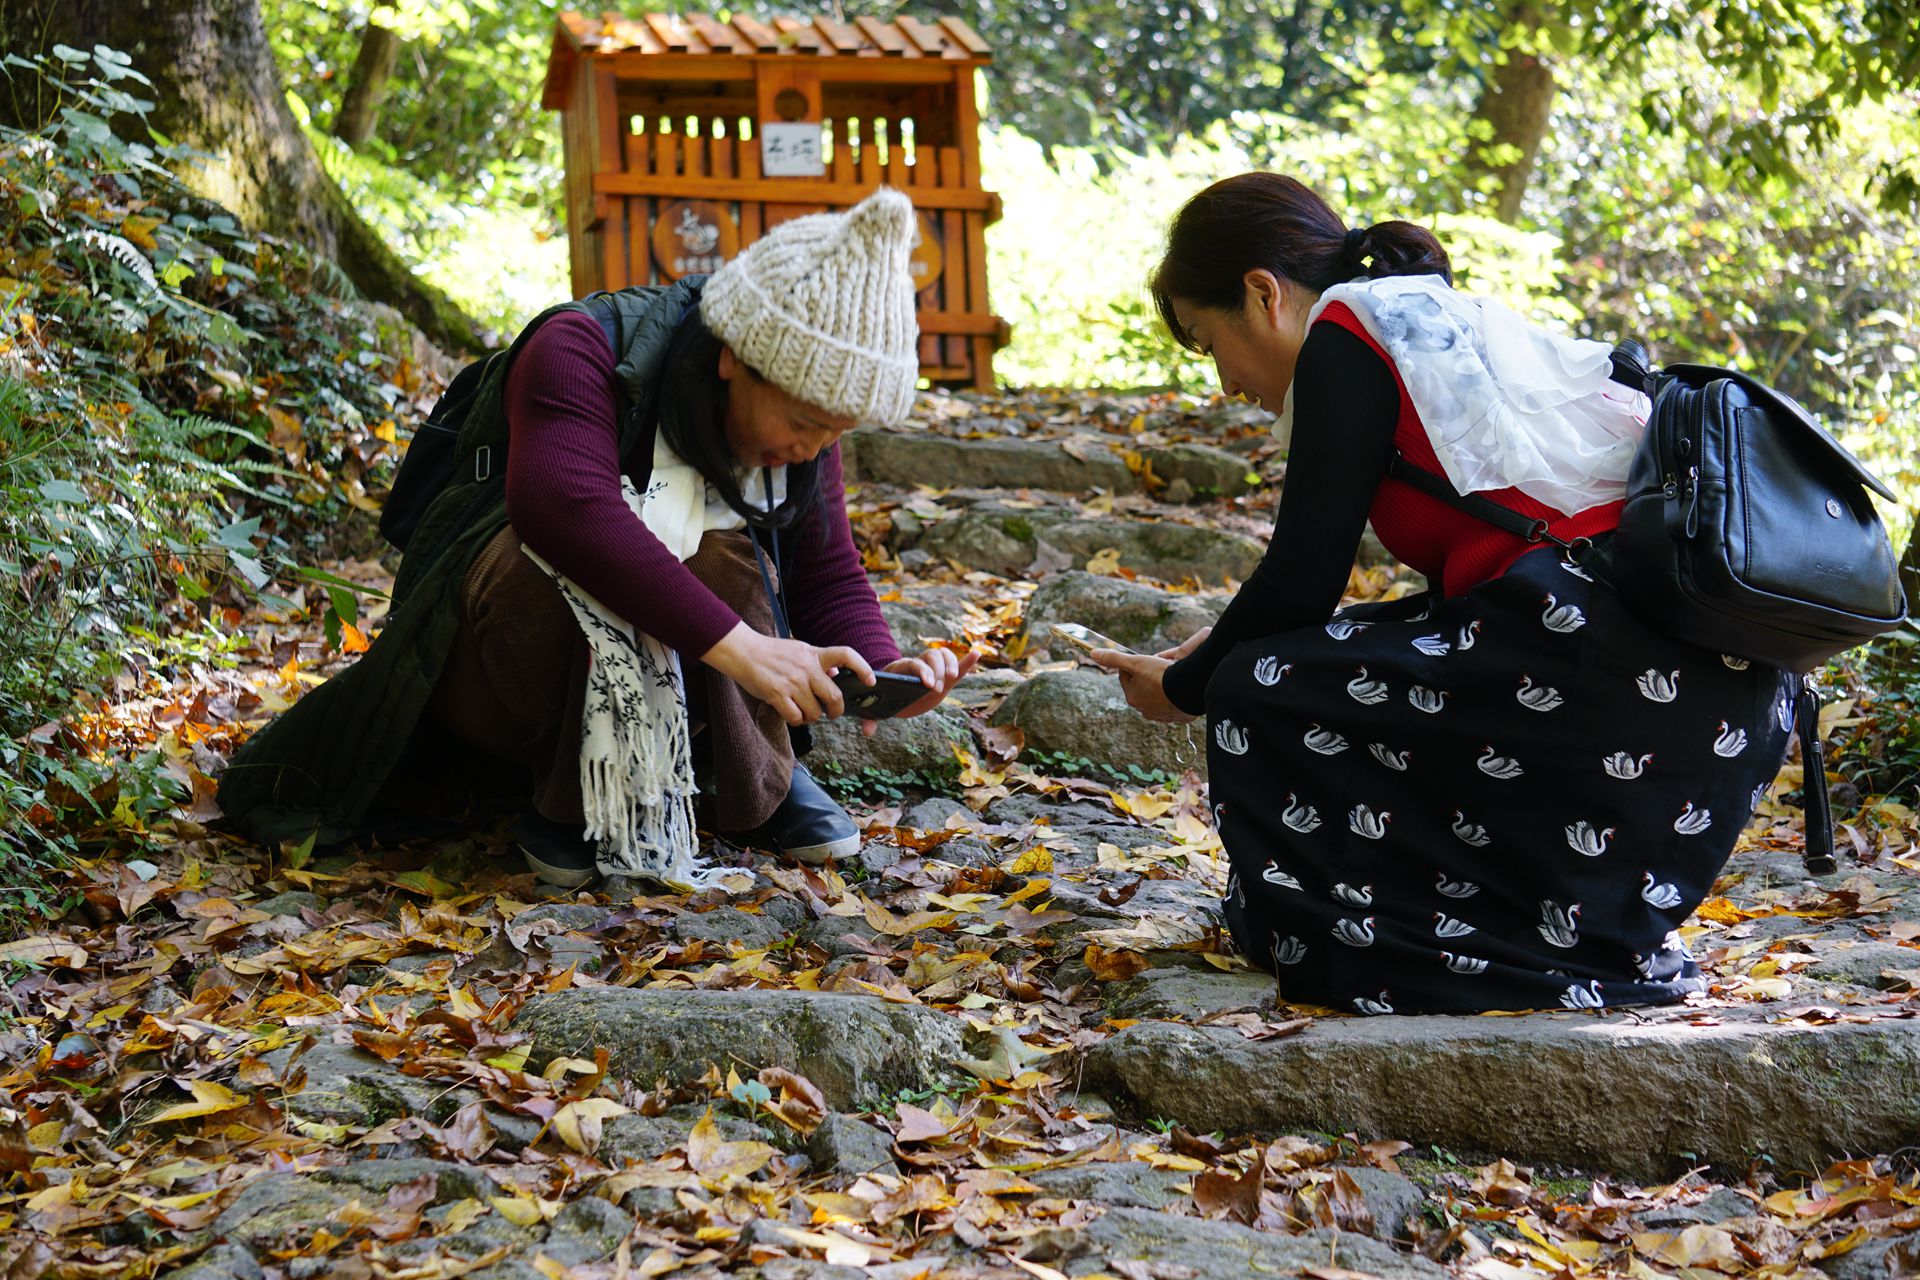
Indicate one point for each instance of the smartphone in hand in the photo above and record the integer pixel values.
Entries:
(1086, 638)
(889, 695)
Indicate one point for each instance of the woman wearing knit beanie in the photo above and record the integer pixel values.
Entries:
(663, 586)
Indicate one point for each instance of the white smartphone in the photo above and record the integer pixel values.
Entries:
(1086, 637)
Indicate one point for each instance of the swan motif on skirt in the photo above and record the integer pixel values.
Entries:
(1230, 737)
(1396, 760)
(1235, 892)
(1445, 926)
(1464, 964)
(1783, 712)
(1560, 925)
(1655, 687)
(1363, 821)
(1361, 897)
(1733, 663)
(1579, 997)
(1380, 1006)
(1345, 630)
(1324, 741)
(1367, 692)
(1692, 821)
(1434, 646)
(1468, 634)
(1574, 569)
(1427, 700)
(1626, 767)
(1291, 951)
(1354, 935)
(1270, 670)
(1274, 875)
(1456, 888)
(1495, 765)
(1582, 838)
(1472, 833)
(1564, 618)
(1300, 817)
(1730, 742)
(1663, 896)
(1539, 698)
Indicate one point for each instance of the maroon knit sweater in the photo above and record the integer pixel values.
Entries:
(563, 499)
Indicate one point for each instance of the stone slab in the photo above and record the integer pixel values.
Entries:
(1643, 1099)
(857, 1049)
(1083, 713)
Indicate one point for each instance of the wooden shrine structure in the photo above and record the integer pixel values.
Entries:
(686, 138)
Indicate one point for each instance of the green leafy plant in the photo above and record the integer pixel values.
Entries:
(186, 412)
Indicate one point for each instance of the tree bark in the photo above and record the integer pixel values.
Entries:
(367, 85)
(1515, 107)
(216, 88)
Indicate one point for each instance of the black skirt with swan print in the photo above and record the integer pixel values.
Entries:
(1509, 799)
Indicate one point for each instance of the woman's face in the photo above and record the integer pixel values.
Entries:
(1254, 346)
(766, 427)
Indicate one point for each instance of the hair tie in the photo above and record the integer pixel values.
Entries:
(1350, 248)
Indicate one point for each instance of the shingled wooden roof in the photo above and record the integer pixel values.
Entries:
(944, 38)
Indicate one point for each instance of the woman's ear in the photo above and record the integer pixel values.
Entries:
(729, 363)
(1267, 296)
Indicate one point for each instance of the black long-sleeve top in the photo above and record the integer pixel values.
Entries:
(1346, 404)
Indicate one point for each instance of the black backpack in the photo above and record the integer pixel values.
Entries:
(1747, 529)
(428, 464)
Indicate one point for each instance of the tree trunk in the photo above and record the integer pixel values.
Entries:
(1516, 106)
(367, 85)
(216, 88)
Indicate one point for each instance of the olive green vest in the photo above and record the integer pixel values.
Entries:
(316, 769)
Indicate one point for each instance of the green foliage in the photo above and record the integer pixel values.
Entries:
(183, 408)
(1879, 751)
(874, 785)
(1060, 764)
(1139, 74)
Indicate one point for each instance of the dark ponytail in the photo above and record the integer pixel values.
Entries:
(1268, 220)
(693, 418)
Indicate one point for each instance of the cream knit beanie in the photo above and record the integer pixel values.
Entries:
(822, 307)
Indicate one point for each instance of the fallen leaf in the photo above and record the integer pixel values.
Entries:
(209, 1098)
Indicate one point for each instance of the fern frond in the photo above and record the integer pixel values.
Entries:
(123, 252)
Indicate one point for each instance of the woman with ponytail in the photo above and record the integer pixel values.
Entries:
(1506, 792)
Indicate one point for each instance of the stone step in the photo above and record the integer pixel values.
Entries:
(1138, 616)
(1012, 542)
(1643, 1099)
(859, 1051)
(1082, 464)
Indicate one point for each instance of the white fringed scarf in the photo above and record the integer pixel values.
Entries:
(636, 750)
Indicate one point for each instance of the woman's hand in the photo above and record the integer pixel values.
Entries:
(1140, 677)
(791, 676)
(938, 669)
(1186, 646)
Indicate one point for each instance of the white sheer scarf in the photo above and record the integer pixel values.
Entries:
(1506, 403)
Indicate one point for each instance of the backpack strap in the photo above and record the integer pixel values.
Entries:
(1441, 490)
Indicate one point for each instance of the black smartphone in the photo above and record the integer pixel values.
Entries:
(888, 697)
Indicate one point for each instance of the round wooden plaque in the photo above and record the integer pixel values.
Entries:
(927, 258)
(694, 237)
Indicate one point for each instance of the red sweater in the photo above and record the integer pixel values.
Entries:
(564, 500)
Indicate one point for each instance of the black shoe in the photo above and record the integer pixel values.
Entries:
(559, 853)
(808, 824)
